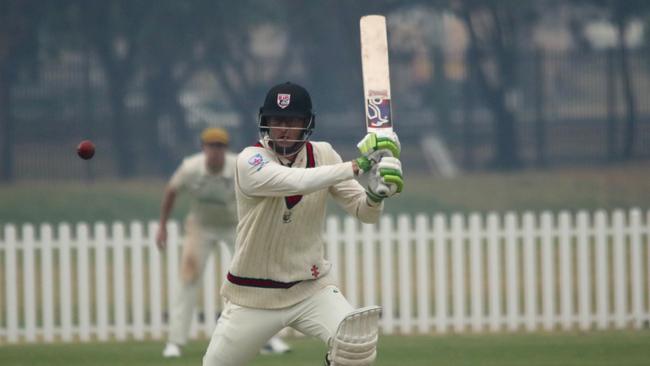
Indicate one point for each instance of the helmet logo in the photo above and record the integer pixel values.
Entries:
(283, 100)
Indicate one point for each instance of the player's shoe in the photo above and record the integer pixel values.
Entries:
(171, 350)
(275, 346)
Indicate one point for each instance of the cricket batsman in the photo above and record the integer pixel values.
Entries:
(279, 276)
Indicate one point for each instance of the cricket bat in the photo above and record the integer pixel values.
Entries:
(376, 78)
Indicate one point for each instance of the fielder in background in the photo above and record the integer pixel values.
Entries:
(279, 276)
(208, 178)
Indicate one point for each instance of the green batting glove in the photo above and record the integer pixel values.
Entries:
(373, 146)
(385, 180)
(363, 163)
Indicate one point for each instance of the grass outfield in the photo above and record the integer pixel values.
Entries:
(606, 187)
(624, 348)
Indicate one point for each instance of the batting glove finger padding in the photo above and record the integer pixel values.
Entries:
(372, 143)
(385, 179)
(390, 170)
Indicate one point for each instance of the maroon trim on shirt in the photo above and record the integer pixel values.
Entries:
(311, 162)
(258, 144)
(291, 201)
(259, 282)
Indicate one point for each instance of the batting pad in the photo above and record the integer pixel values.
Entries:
(355, 341)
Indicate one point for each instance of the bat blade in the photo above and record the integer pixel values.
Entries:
(376, 75)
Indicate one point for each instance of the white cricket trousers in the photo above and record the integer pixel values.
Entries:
(241, 331)
(199, 243)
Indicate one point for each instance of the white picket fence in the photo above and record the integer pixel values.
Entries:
(431, 274)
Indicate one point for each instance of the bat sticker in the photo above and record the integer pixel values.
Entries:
(378, 113)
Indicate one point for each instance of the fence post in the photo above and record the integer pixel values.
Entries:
(530, 271)
(11, 275)
(404, 267)
(620, 286)
(566, 283)
(387, 277)
(155, 282)
(458, 271)
(350, 249)
(65, 282)
(422, 270)
(584, 274)
(101, 284)
(647, 247)
(47, 276)
(119, 281)
(602, 275)
(636, 262)
(172, 267)
(135, 242)
(548, 270)
(29, 284)
(440, 250)
(494, 270)
(476, 271)
(512, 271)
(369, 243)
(83, 275)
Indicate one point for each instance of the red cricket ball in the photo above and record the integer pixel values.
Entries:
(86, 149)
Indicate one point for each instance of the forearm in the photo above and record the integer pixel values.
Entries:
(277, 180)
(351, 196)
(167, 205)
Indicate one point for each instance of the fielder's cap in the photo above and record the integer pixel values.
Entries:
(215, 135)
(287, 100)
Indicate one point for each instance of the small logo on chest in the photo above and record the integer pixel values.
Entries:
(314, 271)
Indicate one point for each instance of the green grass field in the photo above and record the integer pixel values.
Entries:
(621, 348)
(605, 187)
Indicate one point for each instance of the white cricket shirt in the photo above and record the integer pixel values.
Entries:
(279, 251)
(213, 203)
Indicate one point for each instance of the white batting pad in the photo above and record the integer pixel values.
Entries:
(355, 341)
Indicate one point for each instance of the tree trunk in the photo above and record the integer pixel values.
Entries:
(176, 112)
(540, 120)
(162, 101)
(7, 130)
(120, 137)
(610, 94)
(469, 105)
(441, 96)
(505, 139)
(628, 93)
(506, 149)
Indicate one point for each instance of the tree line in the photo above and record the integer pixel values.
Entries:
(162, 45)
